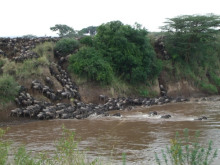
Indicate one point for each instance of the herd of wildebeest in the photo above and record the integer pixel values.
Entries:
(20, 49)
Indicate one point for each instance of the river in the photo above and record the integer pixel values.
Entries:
(135, 133)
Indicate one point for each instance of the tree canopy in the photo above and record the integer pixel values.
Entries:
(128, 50)
(64, 30)
(189, 34)
(91, 30)
(193, 43)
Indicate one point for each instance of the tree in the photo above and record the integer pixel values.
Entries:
(64, 30)
(191, 36)
(66, 46)
(29, 36)
(91, 30)
(89, 62)
(128, 50)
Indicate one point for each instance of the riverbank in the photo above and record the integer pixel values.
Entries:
(6, 119)
(49, 91)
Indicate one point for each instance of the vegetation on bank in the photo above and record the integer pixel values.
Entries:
(182, 150)
(13, 73)
(192, 42)
(8, 89)
(122, 56)
(186, 150)
(125, 49)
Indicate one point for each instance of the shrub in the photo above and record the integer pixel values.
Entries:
(87, 40)
(22, 157)
(4, 147)
(66, 46)
(43, 61)
(28, 68)
(182, 152)
(2, 62)
(8, 89)
(9, 67)
(44, 48)
(88, 62)
(215, 79)
(209, 88)
(128, 50)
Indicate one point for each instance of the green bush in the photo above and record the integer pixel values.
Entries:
(4, 148)
(128, 51)
(88, 62)
(8, 89)
(44, 48)
(30, 67)
(181, 152)
(87, 40)
(209, 88)
(2, 62)
(66, 46)
(215, 79)
(22, 157)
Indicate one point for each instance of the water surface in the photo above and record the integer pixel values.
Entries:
(135, 133)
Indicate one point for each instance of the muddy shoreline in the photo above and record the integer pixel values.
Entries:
(7, 120)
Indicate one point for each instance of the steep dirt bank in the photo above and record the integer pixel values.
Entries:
(172, 85)
(54, 94)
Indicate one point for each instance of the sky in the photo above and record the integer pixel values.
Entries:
(22, 17)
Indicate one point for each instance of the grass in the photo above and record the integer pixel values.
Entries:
(186, 151)
(45, 49)
(30, 67)
(4, 148)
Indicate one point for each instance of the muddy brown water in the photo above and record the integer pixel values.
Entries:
(135, 133)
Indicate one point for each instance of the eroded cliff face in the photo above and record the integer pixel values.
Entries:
(183, 88)
(20, 49)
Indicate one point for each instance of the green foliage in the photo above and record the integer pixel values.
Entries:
(87, 41)
(215, 79)
(128, 51)
(192, 41)
(2, 62)
(67, 150)
(9, 67)
(181, 152)
(88, 62)
(30, 67)
(22, 157)
(190, 36)
(29, 36)
(4, 148)
(91, 30)
(64, 30)
(44, 48)
(209, 88)
(143, 92)
(8, 88)
(66, 46)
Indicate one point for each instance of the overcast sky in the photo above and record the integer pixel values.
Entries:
(21, 17)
